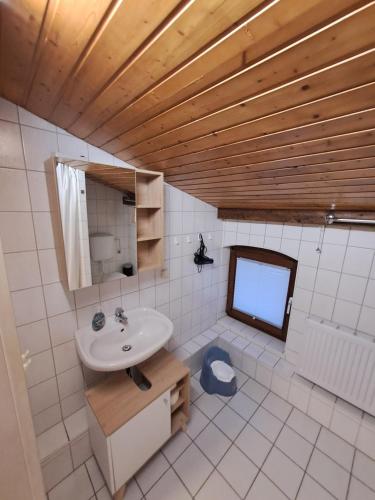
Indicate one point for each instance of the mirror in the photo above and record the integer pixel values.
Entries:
(98, 220)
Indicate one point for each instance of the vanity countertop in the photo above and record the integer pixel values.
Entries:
(117, 399)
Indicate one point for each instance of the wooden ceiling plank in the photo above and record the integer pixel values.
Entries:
(354, 72)
(68, 32)
(314, 187)
(281, 171)
(338, 199)
(308, 201)
(327, 47)
(288, 216)
(198, 24)
(20, 27)
(350, 101)
(341, 147)
(129, 26)
(280, 24)
(195, 68)
(309, 197)
(321, 131)
(276, 197)
(319, 205)
(274, 179)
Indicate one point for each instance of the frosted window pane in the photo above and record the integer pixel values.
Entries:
(261, 290)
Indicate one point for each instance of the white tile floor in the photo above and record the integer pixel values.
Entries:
(259, 448)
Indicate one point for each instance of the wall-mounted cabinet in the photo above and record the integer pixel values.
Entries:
(106, 220)
(150, 224)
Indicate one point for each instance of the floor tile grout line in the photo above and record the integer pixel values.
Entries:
(88, 474)
(321, 451)
(274, 443)
(215, 466)
(224, 479)
(308, 462)
(350, 476)
(159, 479)
(264, 461)
(231, 440)
(234, 444)
(178, 456)
(336, 463)
(362, 482)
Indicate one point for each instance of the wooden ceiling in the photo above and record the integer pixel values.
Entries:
(243, 103)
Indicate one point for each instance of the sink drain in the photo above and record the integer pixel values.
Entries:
(126, 347)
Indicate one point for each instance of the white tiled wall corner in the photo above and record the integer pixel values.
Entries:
(46, 314)
(335, 275)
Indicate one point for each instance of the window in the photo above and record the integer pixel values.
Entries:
(260, 287)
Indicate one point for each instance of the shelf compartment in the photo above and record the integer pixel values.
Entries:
(149, 188)
(149, 223)
(150, 254)
(179, 420)
(177, 404)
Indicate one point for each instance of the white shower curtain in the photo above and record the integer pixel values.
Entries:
(77, 253)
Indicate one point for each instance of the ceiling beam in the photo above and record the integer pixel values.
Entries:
(289, 216)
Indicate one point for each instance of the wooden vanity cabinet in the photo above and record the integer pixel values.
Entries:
(128, 425)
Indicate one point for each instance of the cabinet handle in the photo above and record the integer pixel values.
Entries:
(165, 401)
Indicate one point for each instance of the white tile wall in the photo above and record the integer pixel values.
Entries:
(106, 213)
(334, 276)
(46, 314)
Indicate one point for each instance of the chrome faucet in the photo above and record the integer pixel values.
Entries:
(120, 316)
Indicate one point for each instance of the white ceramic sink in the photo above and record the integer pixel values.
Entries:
(146, 332)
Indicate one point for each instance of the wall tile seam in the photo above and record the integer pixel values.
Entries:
(34, 232)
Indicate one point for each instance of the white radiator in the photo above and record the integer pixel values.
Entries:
(340, 362)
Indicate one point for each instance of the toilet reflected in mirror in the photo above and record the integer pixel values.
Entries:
(98, 221)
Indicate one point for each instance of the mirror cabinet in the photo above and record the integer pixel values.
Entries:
(107, 221)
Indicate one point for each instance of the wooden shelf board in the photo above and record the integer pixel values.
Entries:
(148, 174)
(140, 239)
(152, 207)
(148, 268)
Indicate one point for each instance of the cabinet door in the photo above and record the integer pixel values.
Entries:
(134, 443)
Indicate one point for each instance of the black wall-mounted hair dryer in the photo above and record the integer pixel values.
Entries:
(200, 258)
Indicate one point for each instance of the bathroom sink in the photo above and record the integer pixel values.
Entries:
(118, 346)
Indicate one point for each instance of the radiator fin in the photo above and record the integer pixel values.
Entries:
(339, 362)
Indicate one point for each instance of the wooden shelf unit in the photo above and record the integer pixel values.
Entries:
(150, 219)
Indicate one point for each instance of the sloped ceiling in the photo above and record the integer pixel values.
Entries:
(242, 103)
